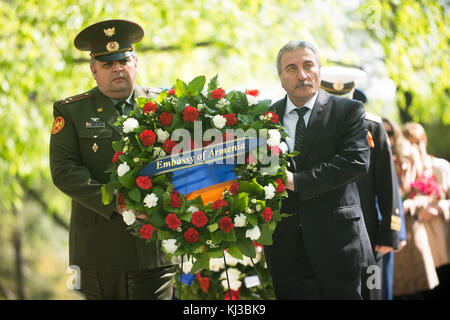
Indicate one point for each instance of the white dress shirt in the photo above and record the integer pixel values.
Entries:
(291, 117)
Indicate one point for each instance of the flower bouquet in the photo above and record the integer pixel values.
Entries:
(200, 169)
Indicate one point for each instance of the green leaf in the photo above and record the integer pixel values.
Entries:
(235, 252)
(261, 107)
(135, 195)
(201, 263)
(252, 219)
(247, 248)
(107, 193)
(157, 217)
(230, 236)
(118, 145)
(181, 104)
(217, 237)
(141, 101)
(266, 236)
(213, 227)
(160, 179)
(161, 96)
(240, 202)
(214, 253)
(213, 83)
(127, 180)
(196, 85)
(181, 89)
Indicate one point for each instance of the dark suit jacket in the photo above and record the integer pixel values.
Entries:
(326, 202)
(379, 187)
(98, 239)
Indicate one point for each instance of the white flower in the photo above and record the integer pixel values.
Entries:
(284, 147)
(233, 274)
(215, 264)
(248, 210)
(150, 200)
(253, 233)
(270, 191)
(129, 217)
(192, 209)
(187, 264)
(122, 169)
(130, 124)
(231, 261)
(233, 277)
(253, 200)
(239, 221)
(170, 245)
(219, 121)
(258, 207)
(251, 100)
(162, 135)
(274, 138)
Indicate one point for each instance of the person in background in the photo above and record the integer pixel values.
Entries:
(414, 268)
(378, 188)
(114, 264)
(435, 213)
(318, 252)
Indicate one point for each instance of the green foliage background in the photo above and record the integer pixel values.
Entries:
(238, 39)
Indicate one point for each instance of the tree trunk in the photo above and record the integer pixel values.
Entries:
(18, 255)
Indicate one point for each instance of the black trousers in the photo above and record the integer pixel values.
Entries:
(371, 279)
(149, 284)
(299, 281)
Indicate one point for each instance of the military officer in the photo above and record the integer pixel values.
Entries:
(378, 188)
(113, 263)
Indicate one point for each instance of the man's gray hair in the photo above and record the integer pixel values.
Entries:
(293, 45)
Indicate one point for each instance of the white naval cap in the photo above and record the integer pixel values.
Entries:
(340, 80)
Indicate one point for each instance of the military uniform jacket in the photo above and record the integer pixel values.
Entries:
(80, 152)
(379, 187)
(326, 204)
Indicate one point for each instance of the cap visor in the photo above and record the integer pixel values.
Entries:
(114, 56)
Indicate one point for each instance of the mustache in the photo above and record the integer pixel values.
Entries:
(303, 83)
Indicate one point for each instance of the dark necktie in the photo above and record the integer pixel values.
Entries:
(300, 129)
(123, 107)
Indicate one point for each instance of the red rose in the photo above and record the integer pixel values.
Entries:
(191, 235)
(231, 119)
(190, 114)
(199, 219)
(218, 94)
(169, 145)
(121, 201)
(171, 92)
(148, 137)
(273, 118)
(149, 107)
(146, 231)
(204, 282)
(116, 156)
(175, 200)
(267, 214)
(172, 221)
(166, 118)
(280, 187)
(234, 188)
(219, 204)
(226, 224)
(254, 92)
(144, 182)
(235, 295)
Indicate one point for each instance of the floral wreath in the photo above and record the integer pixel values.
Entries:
(249, 208)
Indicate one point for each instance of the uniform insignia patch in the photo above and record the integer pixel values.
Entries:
(58, 125)
(370, 138)
(95, 147)
(396, 223)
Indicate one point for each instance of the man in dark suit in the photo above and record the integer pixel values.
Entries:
(378, 189)
(113, 263)
(318, 252)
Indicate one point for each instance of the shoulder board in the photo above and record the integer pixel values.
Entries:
(77, 97)
(373, 117)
